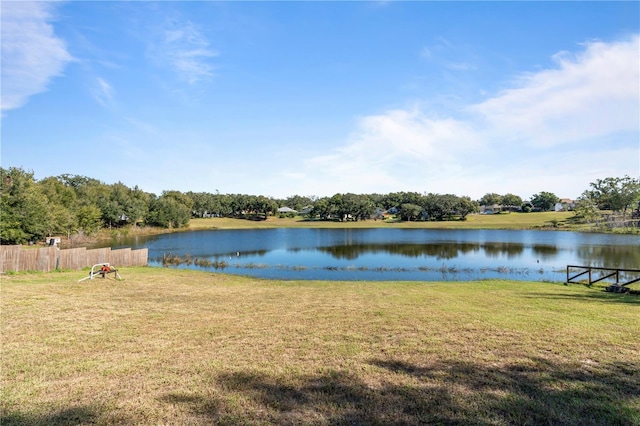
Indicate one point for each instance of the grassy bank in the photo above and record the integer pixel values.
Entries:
(184, 347)
(548, 220)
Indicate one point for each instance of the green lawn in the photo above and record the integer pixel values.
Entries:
(476, 221)
(167, 346)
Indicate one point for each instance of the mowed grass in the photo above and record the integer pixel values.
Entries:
(167, 346)
(476, 221)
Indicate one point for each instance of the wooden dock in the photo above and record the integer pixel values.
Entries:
(592, 274)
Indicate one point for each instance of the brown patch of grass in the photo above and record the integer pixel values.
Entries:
(186, 347)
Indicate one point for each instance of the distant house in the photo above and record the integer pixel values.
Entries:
(378, 213)
(564, 204)
(306, 210)
(286, 210)
(495, 208)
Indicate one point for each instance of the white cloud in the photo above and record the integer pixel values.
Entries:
(559, 117)
(589, 95)
(187, 51)
(397, 150)
(31, 53)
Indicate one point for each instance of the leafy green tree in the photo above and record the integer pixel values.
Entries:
(263, 205)
(297, 202)
(511, 200)
(89, 218)
(396, 199)
(544, 200)
(138, 206)
(466, 206)
(410, 211)
(448, 206)
(440, 207)
(63, 205)
(24, 213)
(240, 204)
(358, 207)
(88, 191)
(586, 207)
(615, 193)
(336, 208)
(57, 192)
(112, 204)
(203, 203)
(171, 210)
(321, 209)
(489, 199)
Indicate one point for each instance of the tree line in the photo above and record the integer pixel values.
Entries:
(32, 209)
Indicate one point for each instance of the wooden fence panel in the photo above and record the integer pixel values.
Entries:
(27, 260)
(14, 258)
(121, 257)
(45, 259)
(10, 258)
(139, 257)
(73, 259)
(101, 255)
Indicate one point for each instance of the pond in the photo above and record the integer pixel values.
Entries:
(391, 254)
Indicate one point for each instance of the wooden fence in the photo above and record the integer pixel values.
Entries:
(47, 259)
(591, 275)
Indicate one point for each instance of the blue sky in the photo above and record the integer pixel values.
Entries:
(315, 98)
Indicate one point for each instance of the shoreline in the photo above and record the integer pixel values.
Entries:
(542, 221)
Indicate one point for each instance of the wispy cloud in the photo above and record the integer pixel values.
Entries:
(185, 49)
(102, 92)
(445, 54)
(506, 141)
(31, 53)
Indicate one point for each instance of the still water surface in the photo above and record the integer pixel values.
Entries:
(393, 254)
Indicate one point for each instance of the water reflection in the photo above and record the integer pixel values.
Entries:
(510, 249)
(544, 252)
(610, 256)
(440, 251)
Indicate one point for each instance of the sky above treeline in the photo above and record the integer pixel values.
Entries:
(316, 98)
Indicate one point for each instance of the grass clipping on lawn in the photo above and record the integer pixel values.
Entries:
(170, 346)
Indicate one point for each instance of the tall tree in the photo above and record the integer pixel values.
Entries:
(544, 200)
(297, 202)
(24, 213)
(586, 207)
(264, 205)
(615, 193)
(466, 206)
(491, 198)
(410, 211)
(511, 200)
(171, 210)
(89, 218)
(321, 209)
(63, 204)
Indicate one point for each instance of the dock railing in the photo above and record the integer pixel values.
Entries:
(593, 274)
